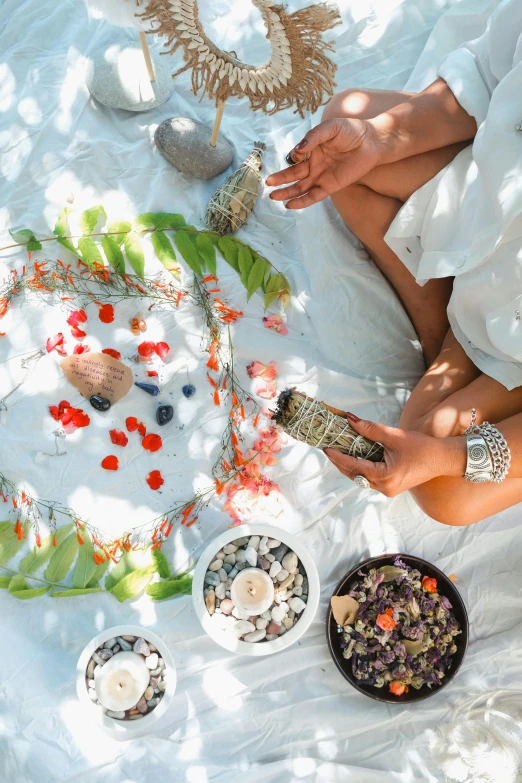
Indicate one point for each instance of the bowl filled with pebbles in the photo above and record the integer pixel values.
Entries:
(126, 678)
(256, 589)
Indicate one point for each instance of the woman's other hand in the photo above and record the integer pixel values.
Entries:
(410, 458)
(333, 155)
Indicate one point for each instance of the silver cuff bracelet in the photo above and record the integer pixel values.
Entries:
(489, 456)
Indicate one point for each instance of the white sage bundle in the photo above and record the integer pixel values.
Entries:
(319, 425)
(234, 200)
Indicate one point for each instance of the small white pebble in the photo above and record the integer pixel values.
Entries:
(281, 576)
(271, 636)
(152, 660)
(277, 598)
(216, 565)
(290, 562)
(230, 559)
(285, 607)
(297, 605)
(267, 615)
(272, 543)
(240, 556)
(242, 627)
(291, 614)
(149, 693)
(92, 694)
(228, 583)
(298, 580)
(277, 614)
(297, 591)
(222, 574)
(251, 556)
(254, 542)
(275, 568)
(255, 636)
(221, 591)
(229, 549)
(288, 623)
(261, 623)
(269, 557)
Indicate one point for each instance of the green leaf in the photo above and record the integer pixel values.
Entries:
(89, 218)
(133, 584)
(128, 563)
(23, 236)
(245, 264)
(70, 593)
(101, 569)
(113, 253)
(162, 564)
(4, 526)
(40, 555)
(119, 228)
(188, 251)
(68, 245)
(62, 224)
(85, 565)
(158, 220)
(62, 559)
(255, 278)
(4, 582)
(90, 252)
(20, 589)
(159, 591)
(164, 250)
(207, 251)
(230, 251)
(134, 252)
(9, 544)
(34, 244)
(275, 286)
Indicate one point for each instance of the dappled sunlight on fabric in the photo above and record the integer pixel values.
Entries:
(7, 87)
(196, 775)
(29, 111)
(223, 688)
(303, 767)
(17, 143)
(94, 744)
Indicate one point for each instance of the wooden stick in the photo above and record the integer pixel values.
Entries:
(217, 123)
(146, 54)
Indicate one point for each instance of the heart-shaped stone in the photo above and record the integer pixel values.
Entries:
(186, 144)
(98, 373)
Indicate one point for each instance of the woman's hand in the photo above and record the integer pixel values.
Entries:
(410, 458)
(332, 155)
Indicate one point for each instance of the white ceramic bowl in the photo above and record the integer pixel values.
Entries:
(226, 639)
(127, 729)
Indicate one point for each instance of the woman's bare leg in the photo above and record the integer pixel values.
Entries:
(440, 405)
(369, 207)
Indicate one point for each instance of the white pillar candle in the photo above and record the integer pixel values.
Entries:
(122, 681)
(252, 591)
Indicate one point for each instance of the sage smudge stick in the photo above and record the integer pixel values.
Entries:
(319, 425)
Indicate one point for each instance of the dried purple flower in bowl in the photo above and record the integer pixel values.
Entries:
(411, 628)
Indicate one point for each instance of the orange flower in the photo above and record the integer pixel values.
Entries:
(3, 306)
(398, 688)
(385, 621)
(217, 401)
(429, 584)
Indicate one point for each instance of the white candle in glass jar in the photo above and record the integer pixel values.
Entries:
(122, 681)
(252, 591)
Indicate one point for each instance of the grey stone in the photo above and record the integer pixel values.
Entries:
(90, 669)
(211, 578)
(241, 541)
(110, 643)
(280, 551)
(186, 144)
(126, 646)
(142, 648)
(151, 703)
(117, 77)
(228, 567)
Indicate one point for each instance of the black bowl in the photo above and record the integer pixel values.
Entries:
(444, 587)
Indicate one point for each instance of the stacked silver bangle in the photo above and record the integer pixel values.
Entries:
(489, 456)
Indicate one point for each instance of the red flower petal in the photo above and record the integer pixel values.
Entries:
(63, 404)
(110, 462)
(152, 372)
(81, 349)
(162, 349)
(54, 342)
(77, 317)
(142, 429)
(78, 334)
(155, 480)
(146, 348)
(112, 352)
(55, 412)
(152, 442)
(118, 437)
(106, 313)
(79, 418)
(131, 423)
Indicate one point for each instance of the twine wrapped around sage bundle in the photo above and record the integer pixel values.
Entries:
(234, 200)
(322, 426)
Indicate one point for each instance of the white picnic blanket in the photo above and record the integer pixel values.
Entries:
(285, 718)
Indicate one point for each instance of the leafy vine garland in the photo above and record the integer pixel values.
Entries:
(79, 541)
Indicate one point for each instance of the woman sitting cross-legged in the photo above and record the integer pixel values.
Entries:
(431, 183)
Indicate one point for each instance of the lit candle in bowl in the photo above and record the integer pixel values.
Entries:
(252, 591)
(121, 682)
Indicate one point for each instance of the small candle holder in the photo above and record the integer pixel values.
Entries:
(205, 604)
(158, 716)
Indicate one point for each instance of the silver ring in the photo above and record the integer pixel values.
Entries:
(362, 482)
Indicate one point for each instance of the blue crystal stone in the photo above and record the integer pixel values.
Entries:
(188, 390)
(148, 387)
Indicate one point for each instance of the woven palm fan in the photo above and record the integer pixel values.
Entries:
(322, 426)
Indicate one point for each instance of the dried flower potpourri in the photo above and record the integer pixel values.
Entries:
(403, 633)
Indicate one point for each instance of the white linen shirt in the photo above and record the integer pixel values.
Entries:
(466, 222)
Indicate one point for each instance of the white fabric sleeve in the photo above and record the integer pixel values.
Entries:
(473, 70)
